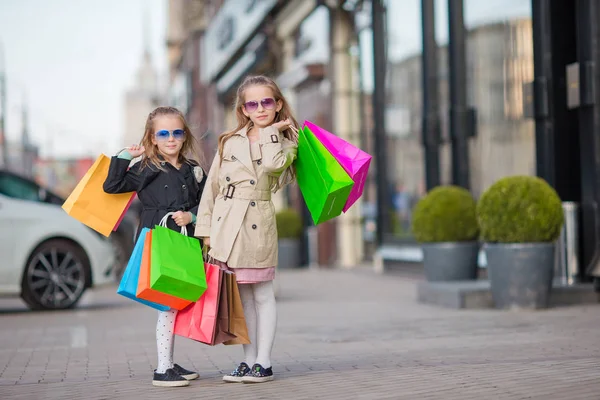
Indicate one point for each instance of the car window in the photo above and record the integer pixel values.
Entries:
(12, 186)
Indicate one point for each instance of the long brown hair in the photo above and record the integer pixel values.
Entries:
(188, 151)
(289, 174)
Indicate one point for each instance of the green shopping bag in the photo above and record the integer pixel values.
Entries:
(176, 264)
(323, 182)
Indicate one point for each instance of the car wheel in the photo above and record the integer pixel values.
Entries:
(56, 275)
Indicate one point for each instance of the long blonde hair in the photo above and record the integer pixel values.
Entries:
(188, 151)
(289, 174)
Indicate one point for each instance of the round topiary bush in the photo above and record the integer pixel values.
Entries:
(445, 214)
(289, 224)
(520, 209)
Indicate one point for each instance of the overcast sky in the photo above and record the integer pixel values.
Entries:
(74, 59)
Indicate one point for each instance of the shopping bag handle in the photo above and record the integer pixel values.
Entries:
(163, 223)
(207, 257)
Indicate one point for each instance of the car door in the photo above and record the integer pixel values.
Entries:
(13, 214)
(9, 212)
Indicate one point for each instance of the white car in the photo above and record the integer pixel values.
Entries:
(47, 257)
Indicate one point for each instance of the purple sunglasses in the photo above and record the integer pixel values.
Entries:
(268, 103)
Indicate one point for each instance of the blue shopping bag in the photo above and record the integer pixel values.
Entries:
(129, 282)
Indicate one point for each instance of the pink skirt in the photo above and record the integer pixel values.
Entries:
(248, 275)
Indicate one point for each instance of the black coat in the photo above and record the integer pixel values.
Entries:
(159, 191)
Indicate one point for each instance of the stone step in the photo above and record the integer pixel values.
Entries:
(477, 294)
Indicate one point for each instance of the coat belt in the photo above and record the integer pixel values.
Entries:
(232, 192)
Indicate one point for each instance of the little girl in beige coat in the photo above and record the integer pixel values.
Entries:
(237, 217)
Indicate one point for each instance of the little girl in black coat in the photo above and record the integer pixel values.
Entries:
(167, 180)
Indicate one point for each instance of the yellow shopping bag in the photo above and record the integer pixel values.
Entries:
(89, 204)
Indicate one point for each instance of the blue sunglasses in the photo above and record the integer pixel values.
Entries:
(178, 134)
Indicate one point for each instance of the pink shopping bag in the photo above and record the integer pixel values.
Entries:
(124, 212)
(354, 161)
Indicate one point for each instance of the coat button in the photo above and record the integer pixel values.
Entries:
(166, 186)
(259, 162)
(228, 179)
(252, 182)
(253, 204)
(184, 187)
(254, 226)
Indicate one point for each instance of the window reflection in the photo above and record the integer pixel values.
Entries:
(499, 60)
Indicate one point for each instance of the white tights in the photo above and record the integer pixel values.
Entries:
(165, 339)
(260, 311)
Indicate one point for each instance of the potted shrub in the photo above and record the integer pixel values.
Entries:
(520, 218)
(289, 232)
(445, 224)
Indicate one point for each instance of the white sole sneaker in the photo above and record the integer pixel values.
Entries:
(170, 383)
(254, 379)
(190, 377)
(232, 379)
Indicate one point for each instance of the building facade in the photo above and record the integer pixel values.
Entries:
(305, 46)
(143, 96)
(467, 92)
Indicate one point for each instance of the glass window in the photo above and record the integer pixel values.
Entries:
(500, 62)
(404, 113)
(17, 188)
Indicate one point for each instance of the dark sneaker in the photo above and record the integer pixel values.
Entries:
(258, 374)
(237, 374)
(169, 379)
(184, 373)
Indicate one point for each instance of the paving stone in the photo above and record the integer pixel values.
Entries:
(341, 335)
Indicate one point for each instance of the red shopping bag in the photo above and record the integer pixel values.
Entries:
(124, 212)
(207, 319)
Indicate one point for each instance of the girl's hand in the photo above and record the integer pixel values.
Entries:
(136, 150)
(206, 241)
(182, 218)
(282, 125)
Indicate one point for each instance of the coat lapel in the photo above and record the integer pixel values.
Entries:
(242, 151)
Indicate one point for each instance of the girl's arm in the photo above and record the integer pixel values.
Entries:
(201, 185)
(207, 202)
(276, 155)
(120, 179)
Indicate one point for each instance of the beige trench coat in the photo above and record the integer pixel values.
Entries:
(235, 210)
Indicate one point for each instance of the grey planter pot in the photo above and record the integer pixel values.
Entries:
(289, 253)
(450, 261)
(520, 274)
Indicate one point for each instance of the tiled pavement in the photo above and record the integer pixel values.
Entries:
(341, 335)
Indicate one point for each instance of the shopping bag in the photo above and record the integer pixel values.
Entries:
(323, 182)
(223, 329)
(144, 291)
(354, 161)
(129, 281)
(177, 266)
(198, 321)
(207, 320)
(89, 204)
(124, 212)
(237, 320)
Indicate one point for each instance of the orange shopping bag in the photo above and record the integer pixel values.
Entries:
(145, 292)
(89, 204)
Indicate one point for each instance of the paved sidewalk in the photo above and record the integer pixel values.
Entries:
(341, 335)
